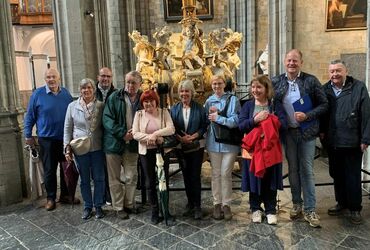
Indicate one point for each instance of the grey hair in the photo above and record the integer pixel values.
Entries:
(187, 85)
(136, 75)
(86, 81)
(338, 61)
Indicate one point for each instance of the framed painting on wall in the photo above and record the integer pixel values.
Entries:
(173, 11)
(346, 14)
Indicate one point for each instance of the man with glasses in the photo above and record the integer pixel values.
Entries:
(295, 88)
(346, 132)
(119, 145)
(104, 88)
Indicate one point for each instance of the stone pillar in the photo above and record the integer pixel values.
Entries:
(120, 15)
(11, 150)
(76, 42)
(40, 64)
(281, 37)
(242, 18)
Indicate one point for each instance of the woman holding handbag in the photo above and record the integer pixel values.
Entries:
(149, 127)
(255, 114)
(221, 109)
(190, 122)
(83, 143)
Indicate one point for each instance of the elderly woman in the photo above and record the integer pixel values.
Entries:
(190, 122)
(262, 189)
(222, 155)
(83, 119)
(149, 127)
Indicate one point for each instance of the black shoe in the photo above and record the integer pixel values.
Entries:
(189, 210)
(336, 210)
(86, 214)
(197, 213)
(156, 219)
(99, 213)
(355, 217)
(133, 210)
(122, 214)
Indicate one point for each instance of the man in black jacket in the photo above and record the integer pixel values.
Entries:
(104, 88)
(291, 88)
(346, 132)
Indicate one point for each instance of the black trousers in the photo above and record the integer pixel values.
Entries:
(51, 152)
(148, 162)
(345, 169)
(191, 172)
(267, 196)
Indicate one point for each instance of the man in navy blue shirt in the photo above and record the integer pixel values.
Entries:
(46, 109)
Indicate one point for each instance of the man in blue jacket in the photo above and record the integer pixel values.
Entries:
(346, 132)
(47, 109)
(300, 141)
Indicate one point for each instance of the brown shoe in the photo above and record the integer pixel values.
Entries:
(68, 200)
(50, 205)
(217, 213)
(227, 212)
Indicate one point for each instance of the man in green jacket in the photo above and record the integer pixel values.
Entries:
(119, 146)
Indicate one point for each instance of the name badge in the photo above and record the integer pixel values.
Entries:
(301, 101)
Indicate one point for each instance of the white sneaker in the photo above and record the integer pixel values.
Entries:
(271, 219)
(257, 216)
(312, 218)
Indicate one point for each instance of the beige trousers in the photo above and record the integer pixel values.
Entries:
(122, 175)
(222, 166)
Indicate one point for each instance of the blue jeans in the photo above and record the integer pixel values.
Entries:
(91, 165)
(300, 155)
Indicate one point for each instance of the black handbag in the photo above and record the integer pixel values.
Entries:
(169, 141)
(224, 134)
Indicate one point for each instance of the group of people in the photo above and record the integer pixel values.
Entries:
(127, 127)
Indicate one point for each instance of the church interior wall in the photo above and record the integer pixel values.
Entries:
(319, 47)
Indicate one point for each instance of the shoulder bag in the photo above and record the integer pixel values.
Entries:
(169, 141)
(224, 134)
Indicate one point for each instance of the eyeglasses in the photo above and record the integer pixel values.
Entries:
(107, 76)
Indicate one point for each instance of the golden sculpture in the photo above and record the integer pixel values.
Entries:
(176, 57)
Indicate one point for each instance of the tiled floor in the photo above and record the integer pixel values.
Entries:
(24, 226)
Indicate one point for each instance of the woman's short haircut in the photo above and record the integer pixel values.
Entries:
(266, 82)
(187, 85)
(86, 81)
(149, 95)
(218, 77)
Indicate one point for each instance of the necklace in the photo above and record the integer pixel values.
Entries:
(186, 112)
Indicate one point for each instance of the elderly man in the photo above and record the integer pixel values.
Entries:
(104, 86)
(119, 146)
(346, 132)
(300, 140)
(47, 109)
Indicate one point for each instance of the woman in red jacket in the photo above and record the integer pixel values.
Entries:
(262, 189)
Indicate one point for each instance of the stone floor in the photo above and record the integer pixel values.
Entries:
(27, 226)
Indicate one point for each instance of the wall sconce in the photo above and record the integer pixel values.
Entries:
(89, 13)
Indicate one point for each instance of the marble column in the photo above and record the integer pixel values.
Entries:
(12, 179)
